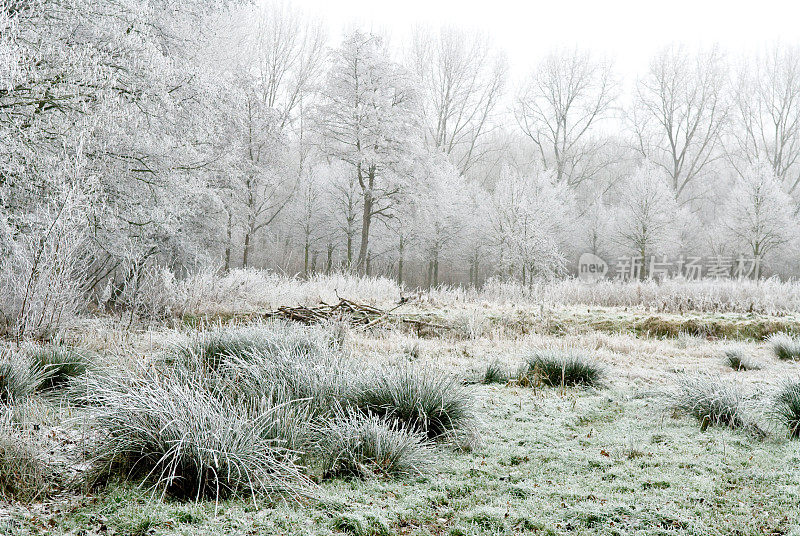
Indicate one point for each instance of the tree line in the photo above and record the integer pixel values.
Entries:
(143, 135)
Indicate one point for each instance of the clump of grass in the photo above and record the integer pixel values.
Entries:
(359, 445)
(557, 368)
(712, 401)
(786, 407)
(171, 428)
(215, 347)
(22, 470)
(57, 364)
(19, 378)
(784, 346)
(495, 373)
(737, 359)
(419, 399)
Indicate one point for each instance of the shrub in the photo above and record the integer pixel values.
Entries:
(784, 346)
(360, 445)
(22, 470)
(419, 399)
(495, 373)
(786, 407)
(171, 428)
(555, 368)
(57, 364)
(736, 359)
(712, 401)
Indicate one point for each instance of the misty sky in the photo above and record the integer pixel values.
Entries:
(629, 30)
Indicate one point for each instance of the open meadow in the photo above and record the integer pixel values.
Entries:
(494, 412)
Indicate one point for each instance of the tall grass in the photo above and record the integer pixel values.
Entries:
(251, 290)
(244, 291)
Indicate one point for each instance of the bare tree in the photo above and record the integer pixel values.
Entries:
(565, 97)
(288, 51)
(678, 114)
(462, 79)
(767, 113)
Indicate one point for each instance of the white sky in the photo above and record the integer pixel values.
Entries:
(628, 30)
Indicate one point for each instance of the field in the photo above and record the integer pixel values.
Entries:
(635, 451)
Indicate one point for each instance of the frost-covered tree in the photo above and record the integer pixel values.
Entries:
(369, 119)
(757, 216)
(102, 101)
(646, 216)
(560, 106)
(441, 214)
(767, 113)
(461, 79)
(531, 217)
(678, 114)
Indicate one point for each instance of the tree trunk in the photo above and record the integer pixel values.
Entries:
(228, 243)
(366, 220)
(246, 252)
(349, 248)
(329, 262)
(366, 215)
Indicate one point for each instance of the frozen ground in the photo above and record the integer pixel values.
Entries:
(607, 460)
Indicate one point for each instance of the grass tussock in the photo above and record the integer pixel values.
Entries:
(57, 364)
(38, 369)
(713, 401)
(422, 400)
(22, 469)
(555, 368)
(213, 348)
(19, 378)
(495, 373)
(173, 429)
(360, 445)
(243, 412)
(737, 359)
(785, 347)
(786, 407)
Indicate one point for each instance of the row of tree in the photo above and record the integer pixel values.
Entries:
(167, 133)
